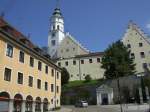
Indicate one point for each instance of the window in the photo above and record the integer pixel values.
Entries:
(140, 44)
(82, 61)
(144, 65)
(53, 42)
(59, 64)
(46, 69)
(67, 50)
(9, 51)
(57, 27)
(128, 45)
(38, 83)
(51, 101)
(52, 72)
(30, 81)
(90, 60)
(132, 56)
(52, 87)
(54, 27)
(46, 86)
(21, 57)
(20, 78)
(57, 101)
(53, 34)
(39, 65)
(66, 63)
(142, 54)
(73, 49)
(57, 89)
(7, 74)
(57, 75)
(98, 60)
(31, 61)
(74, 62)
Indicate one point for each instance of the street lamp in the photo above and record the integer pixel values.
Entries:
(118, 85)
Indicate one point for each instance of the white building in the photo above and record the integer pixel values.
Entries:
(69, 53)
(139, 45)
(81, 65)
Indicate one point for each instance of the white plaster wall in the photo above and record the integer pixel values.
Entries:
(133, 37)
(93, 69)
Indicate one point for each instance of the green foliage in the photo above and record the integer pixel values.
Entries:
(117, 62)
(147, 81)
(88, 78)
(64, 76)
(79, 83)
(82, 93)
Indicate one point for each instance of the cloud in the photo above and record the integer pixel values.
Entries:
(148, 26)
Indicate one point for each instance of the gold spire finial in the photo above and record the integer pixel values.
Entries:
(58, 4)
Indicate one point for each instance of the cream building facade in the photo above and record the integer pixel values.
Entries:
(139, 45)
(68, 50)
(83, 65)
(69, 53)
(29, 80)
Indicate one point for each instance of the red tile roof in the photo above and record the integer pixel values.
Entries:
(15, 33)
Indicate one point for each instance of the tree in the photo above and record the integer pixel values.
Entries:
(64, 76)
(88, 78)
(117, 62)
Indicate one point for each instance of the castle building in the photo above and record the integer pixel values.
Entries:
(139, 45)
(80, 62)
(69, 53)
(30, 81)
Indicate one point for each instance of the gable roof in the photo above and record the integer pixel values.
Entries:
(135, 27)
(10, 32)
(76, 42)
(90, 54)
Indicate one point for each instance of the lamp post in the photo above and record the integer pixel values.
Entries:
(142, 85)
(118, 86)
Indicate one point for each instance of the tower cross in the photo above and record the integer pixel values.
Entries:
(57, 3)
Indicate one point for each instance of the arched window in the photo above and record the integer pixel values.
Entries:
(38, 104)
(18, 102)
(29, 101)
(53, 27)
(58, 27)
(45, 105)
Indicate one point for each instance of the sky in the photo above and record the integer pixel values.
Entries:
(94, 23)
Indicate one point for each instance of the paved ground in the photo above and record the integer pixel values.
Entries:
(108, 108)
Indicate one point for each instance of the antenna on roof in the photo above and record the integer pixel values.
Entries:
(2, 14)
(29, 35)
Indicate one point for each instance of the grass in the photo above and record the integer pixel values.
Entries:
(78, 83)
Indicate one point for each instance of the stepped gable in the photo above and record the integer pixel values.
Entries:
(135, 27)
(76, 42)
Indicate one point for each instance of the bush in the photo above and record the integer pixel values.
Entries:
(88, 78)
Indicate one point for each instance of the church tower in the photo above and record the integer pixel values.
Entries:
(56, 33)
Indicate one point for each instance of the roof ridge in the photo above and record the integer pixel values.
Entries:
(77, 42)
